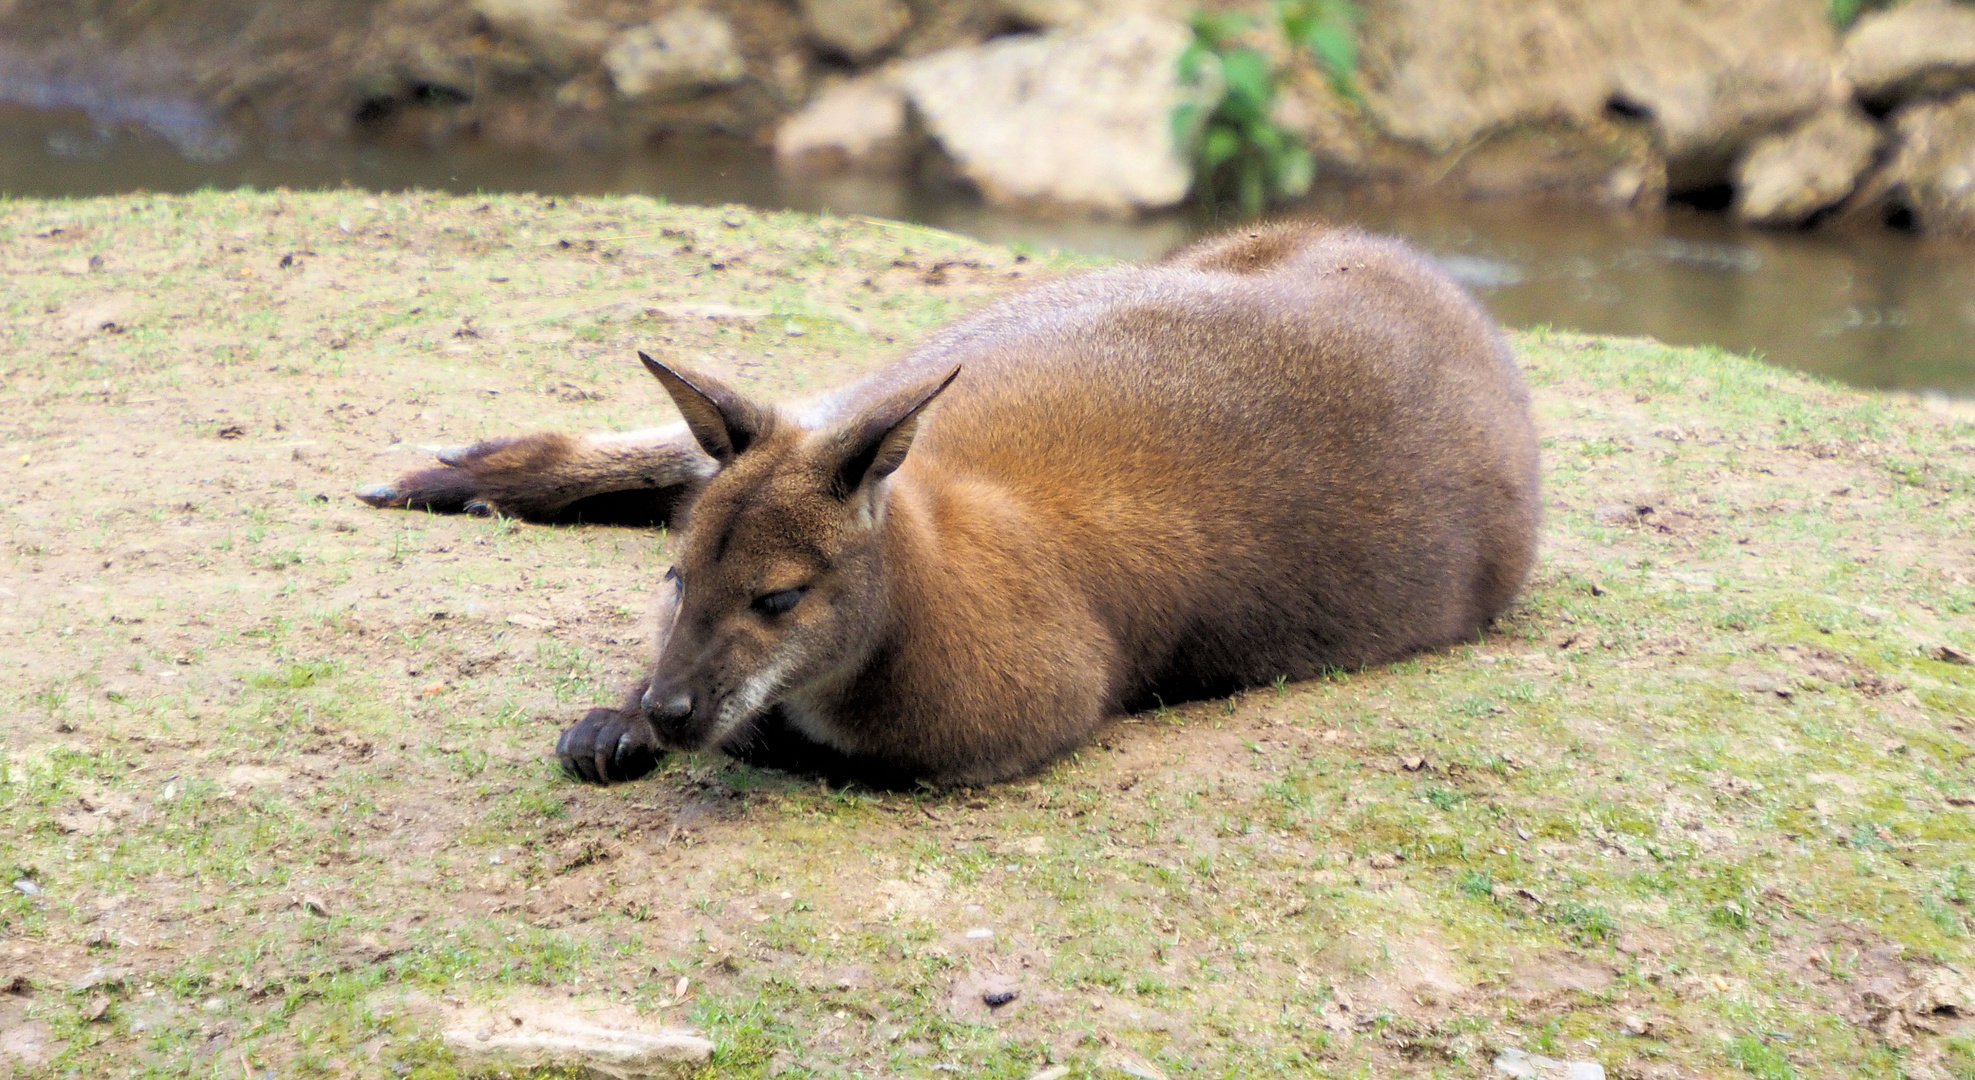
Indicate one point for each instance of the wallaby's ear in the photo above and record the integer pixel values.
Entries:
(872, 445)
(723, 422)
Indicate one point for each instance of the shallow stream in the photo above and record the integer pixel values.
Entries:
(1880, 309)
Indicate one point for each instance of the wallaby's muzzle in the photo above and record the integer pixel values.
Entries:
(671, 715)
(666, 702)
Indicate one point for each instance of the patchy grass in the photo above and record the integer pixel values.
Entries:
(274, 776)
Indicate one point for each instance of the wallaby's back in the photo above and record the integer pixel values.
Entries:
(1272, 454)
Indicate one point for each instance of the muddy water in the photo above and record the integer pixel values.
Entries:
(1877, 309)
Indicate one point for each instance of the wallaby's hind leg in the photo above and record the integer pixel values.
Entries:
(543, 476)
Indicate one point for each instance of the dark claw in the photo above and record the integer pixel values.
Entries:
(378, 494)
(478, 509)
(608, 746)
(564, 753)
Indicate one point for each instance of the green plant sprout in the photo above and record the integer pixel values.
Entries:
(1239, 153)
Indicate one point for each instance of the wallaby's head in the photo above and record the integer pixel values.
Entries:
(778, 582)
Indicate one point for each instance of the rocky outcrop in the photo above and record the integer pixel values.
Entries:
(1786, 179)
(1931, 175)
(1704, 78)
(1615, 100)
(1081, 118)
(680, 52)
(856, 30)
(1916, 50)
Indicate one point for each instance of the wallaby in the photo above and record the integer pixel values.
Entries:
(1275, 453)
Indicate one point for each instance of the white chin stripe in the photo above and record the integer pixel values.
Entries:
(756, 694)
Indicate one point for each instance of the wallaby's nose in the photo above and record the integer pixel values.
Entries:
(664, 708)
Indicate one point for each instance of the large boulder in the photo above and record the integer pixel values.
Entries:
(1707, 77)
(855, 29)
(677, 54)
(859, 124)
(1916, 49)
(1582, 157)
(1931, 175)
(1080, 118)
(1786, 179)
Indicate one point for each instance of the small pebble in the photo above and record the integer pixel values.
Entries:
(27, 888)
(979, 932)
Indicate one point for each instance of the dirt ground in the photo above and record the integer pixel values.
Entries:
(276, 792)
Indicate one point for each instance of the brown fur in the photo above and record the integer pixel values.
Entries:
(1275, 453)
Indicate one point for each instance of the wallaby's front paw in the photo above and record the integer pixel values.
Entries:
(609, 746)
(496, 476)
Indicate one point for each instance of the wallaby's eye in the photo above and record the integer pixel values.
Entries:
(778, 602)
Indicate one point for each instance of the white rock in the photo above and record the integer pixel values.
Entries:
(1522, 1065)
(1913, 49)
(1784, 179)
(1942, 992)
(858, 29)
(548, 1041)
(675, 54)
(857, 124)
(1079, 118)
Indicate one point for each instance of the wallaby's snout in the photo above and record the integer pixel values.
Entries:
(667, 701)
(670, 712)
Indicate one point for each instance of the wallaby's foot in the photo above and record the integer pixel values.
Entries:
(547, 476)
(609, 746)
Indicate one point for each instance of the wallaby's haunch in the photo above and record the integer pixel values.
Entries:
(1275, 453)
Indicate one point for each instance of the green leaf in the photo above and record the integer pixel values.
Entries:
(1214, 29)
(1220, 145)
(1186, 124)
(1336, 48)
(1246, 74)
(1295, 170)
(1192, 61)
(1265, 137)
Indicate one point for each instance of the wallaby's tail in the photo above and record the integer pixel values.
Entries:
(541, 476)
